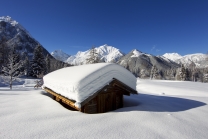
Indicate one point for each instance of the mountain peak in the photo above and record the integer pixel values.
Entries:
(173, 56)
(105, 45)
(187, 59)
(60, 55)
(106, 53)
(136, 53)
(9, 20)
(15, 24)
(15, 34)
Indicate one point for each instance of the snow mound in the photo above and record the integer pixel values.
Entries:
(80, 82)
(30, 82)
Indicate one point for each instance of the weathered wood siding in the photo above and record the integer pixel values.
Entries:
(91, 106)
(109, 99)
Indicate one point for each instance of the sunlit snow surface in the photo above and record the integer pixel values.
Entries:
(163, 109)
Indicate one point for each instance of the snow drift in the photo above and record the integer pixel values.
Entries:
(163, 110)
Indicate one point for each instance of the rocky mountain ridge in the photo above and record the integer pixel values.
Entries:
(141, 63)
(197, 60)
(12, 34)
(16, 35)
(60, 55)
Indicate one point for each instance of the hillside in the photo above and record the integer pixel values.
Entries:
(137, 61)
(16, 35)
(60, 55)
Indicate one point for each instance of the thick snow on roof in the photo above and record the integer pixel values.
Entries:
(80, 82)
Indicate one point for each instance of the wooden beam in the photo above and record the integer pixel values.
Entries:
(62, 98)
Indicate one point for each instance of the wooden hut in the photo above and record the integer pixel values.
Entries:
(109, 97)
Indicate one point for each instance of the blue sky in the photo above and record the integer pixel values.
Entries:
(151, 26)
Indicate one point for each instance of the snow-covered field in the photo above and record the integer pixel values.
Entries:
(163, 109)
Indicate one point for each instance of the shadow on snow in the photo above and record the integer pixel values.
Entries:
(153, 103)
(146, 102)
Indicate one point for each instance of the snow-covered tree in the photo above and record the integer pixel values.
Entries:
(188, 74)
(206, 77)
(144, 73)
(182, 73)
(26, 63)
(154, 72)
(173, 73)
(93, 56)
(13, 67)
(194, 74)
(38, 64)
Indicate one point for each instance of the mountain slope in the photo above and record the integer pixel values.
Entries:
(198, 59)
(106, 54)
(16, 35)
(137, 61)
(60, 55)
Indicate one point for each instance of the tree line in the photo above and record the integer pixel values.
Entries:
(183, 73)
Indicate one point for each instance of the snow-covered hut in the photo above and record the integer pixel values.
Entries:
(92, 88)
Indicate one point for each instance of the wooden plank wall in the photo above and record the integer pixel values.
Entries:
(108, 100)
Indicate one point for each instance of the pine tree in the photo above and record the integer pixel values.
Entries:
(93, 57)
(154, 72)
(194, 74)
(182, 73)
(26, 63)
(206, 77)
(143, 73)
(38, 65)
(13, 66)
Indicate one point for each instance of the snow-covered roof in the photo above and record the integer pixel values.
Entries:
(79, 82)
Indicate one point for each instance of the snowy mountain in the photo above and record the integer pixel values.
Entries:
(172, 56)
(198, 59)
(136, 61)
(60, 55)
(105, 52)
(16, 35)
